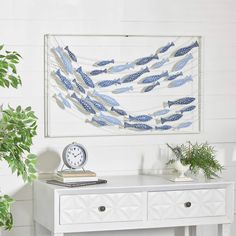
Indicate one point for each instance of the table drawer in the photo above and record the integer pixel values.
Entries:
(186, 204)
(92, 208)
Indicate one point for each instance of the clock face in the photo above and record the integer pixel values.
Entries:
(74, 156)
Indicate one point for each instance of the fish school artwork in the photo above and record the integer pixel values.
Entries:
(121, 85)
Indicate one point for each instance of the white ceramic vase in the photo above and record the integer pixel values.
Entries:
(182, 169)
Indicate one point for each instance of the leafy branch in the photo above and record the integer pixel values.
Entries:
(17, 129)
(6, 219)
(8, 72)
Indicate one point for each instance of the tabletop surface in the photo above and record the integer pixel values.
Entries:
(139, 182)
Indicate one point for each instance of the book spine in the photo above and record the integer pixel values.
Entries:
(78, 174)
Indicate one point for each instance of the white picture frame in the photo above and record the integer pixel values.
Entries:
(61, 121)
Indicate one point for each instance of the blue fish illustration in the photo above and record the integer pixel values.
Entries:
(99, 121)
(165, 48)
(161, 112)
(163, 127)
(154, 78)
(96, 104)
(142, 118)
(174, 76)
(181, 101)
(80, 87)
(145, 60)
(138, 126)
(160, 63)
(134, 76)
(110, 119)
(119, 111)
(107, 83)
(85, 78)
(183, 51)
(64, 80)
(104, 63)
(65, 61)
(119, 68)
(180, 82)
(171, 118)
(98, 72)
(87, 107)
(151, 87)
(71, 54)
(111, 101)
(64, 100)
(184, 125)
(187, 109)
(181, 64)
(122, 90)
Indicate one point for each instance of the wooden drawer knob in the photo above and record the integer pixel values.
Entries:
(187, 204)
(102, 208)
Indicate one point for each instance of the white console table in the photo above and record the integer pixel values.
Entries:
(134, 202)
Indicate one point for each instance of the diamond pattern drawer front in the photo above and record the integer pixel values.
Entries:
(92, 208)
(186, 204)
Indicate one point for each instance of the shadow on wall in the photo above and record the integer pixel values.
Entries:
(158, 158)
(23, 193)
(226, 154)
(48, 161)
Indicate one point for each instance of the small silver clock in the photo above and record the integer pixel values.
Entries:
(74, 156)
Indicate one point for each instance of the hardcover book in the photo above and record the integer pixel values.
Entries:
(76, 173)
(77, 184)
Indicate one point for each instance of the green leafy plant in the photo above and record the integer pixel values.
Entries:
(8, 72)
(17, 129)
(198, 157)
(6, 220)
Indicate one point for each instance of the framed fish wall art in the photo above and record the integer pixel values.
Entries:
(122, 85)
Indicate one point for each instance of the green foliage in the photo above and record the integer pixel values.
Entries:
(6, 220)
(8, 73)
(17, 128)
(199, 157)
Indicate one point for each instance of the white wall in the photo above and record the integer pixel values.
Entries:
(23, 24)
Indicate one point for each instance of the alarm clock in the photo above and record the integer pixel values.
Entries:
(74, 156)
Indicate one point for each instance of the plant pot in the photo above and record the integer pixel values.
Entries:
(182, 169)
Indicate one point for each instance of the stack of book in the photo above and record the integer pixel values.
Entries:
(76, 178)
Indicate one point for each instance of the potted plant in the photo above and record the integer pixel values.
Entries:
(197, 158)
(17, 128)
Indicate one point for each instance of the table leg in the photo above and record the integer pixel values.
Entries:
(38, 229)
(193, 230)
(186, 231)
(190, 231)
(224, 230)
(42, 231)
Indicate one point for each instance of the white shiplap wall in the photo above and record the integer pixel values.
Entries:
(23, 24)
